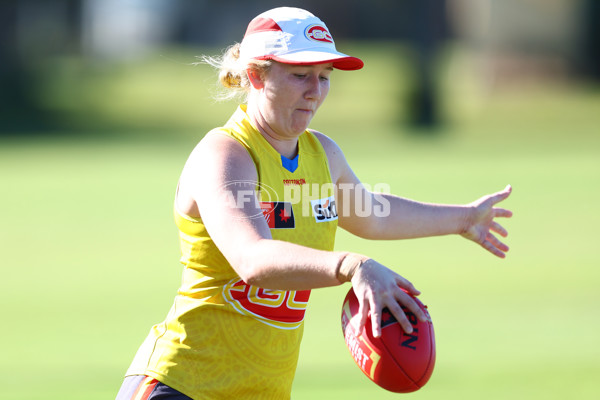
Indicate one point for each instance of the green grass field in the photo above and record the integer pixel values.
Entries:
(89, 252)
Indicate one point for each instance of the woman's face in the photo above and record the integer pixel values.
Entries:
(291, 96)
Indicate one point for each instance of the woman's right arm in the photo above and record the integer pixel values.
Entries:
(218, 183)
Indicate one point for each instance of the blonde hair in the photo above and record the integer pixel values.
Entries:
(232, 72)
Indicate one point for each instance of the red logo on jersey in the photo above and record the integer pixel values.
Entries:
(279, 215)
(292, 182)
(280, 308)
(318, 33)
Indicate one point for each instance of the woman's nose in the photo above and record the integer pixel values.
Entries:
(314, 88)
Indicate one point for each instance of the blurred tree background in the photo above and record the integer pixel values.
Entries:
(51, 49)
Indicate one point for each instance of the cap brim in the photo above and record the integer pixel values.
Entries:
(310, 57)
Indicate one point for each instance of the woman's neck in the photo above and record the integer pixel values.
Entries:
(287, 147)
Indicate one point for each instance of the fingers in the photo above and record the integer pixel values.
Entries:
(492, 249)
(497, 243)
(502, 213)
(363, 311)
(376, 322)
(501, 195)
(412, 306)
(401, 306)
(401, 317)
(496, 227)
(365, 306)
(495, 246)
(407, 285)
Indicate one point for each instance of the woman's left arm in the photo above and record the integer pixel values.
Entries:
(406, 218)
(385, 216)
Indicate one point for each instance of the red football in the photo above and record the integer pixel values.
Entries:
(396, 361)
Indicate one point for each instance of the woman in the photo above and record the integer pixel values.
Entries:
(257, 207)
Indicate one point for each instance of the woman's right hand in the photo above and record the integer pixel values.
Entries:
(378, 287)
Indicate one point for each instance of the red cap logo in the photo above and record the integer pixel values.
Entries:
(318, 33)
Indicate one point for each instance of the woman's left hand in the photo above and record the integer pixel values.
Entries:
(482, 222)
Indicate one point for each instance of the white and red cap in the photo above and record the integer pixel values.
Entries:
(293, 36)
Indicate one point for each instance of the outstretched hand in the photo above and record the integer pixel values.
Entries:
(482, 222)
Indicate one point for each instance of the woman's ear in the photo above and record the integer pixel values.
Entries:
(255, 77)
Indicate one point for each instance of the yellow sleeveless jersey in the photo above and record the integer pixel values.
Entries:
(223, 338)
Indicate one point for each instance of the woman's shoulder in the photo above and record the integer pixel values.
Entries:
(329, 145)
(218, 146)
